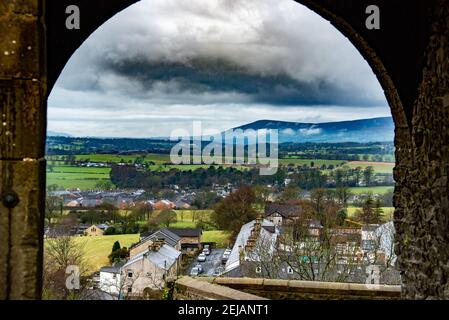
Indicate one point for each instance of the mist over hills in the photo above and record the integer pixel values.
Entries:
(358, 131)
(365, 130)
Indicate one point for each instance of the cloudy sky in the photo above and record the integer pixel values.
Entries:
(161, 64)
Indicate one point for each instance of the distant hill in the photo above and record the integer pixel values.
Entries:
(366, 130)
(57, 134)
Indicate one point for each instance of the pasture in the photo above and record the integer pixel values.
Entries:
(373, 190)
(72, 177)
(379, 167)
(387, 212)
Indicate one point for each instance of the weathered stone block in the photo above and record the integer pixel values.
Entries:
(20, 241)
(20, 49)
(30, 7)
(22, 119)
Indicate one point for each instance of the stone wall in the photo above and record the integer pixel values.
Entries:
(187, 288)
(310, 290)
(249, 288)
(22, 140)
(422, 192)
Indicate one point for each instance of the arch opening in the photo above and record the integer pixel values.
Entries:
(184, 60)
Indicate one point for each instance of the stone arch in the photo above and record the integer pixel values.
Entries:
(409, 55)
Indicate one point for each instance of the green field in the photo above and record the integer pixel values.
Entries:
(379, 167)
(185, 218)
(67, 176)
(97, 249)
(373, 190)
(388, 212)
(221, 238)
(115, 158)
(187, 167)
(317, 162)
(76, 177)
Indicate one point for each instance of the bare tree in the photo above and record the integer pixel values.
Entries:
(53, 208)
(322, 258)
(60, 255)
(262, 260)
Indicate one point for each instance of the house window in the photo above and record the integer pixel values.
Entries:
(289, 270)
(130, 289)
(114, 276)
(368, 245)
(130, 274)
(258, 269)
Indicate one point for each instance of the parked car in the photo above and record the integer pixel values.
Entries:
(225, 257)
(201, 257)
(206, 252)
(228, 251)
(206, 246)
(200, 268)
(194, 272)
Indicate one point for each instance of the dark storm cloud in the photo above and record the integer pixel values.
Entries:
(268, 58)
(217, 76)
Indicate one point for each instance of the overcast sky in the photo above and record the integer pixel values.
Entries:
(161, 64)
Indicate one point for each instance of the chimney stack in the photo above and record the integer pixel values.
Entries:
(156, 245)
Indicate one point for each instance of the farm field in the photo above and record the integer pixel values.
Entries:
(77, 177)
(221, 238)
(71, 177)
(97, 249)
(185, 218)
(317, 162)
(187, 167)
(379, 167)
(116, 158)
(373, 190)
(388, 212)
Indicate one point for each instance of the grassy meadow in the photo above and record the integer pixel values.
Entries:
(373, 190)
(71, 177)
(379, 167)
(388, 212)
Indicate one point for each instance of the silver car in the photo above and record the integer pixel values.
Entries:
(225, 257)
(194, 272)
(200, 268)
(201, 257)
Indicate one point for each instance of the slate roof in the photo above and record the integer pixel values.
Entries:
(165, 234)
(242, 238)
(187, 232)
(164, 258)
(285, 210)
(111, 269)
